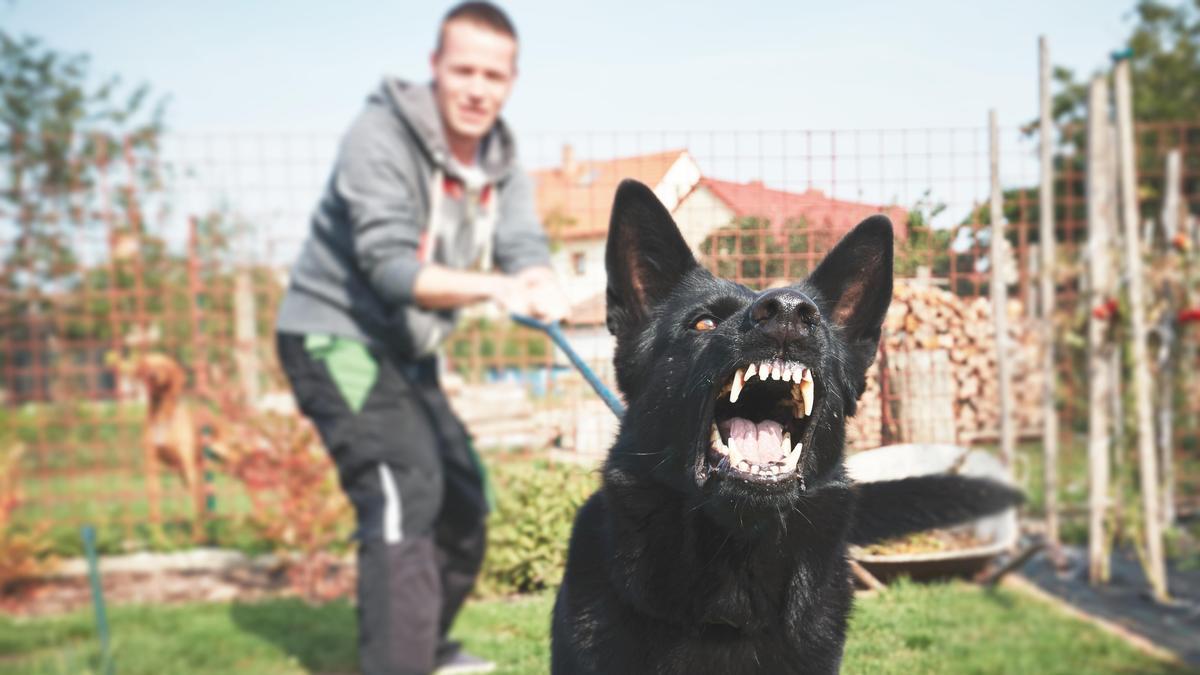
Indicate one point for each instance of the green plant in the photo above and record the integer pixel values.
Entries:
(529, 530)
(22, 547)
(295, 503)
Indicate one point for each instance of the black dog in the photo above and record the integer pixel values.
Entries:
(717, 543)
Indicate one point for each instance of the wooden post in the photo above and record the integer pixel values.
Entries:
(1101, 221)
(1167, 345)
(999, 288)
(1147, 459)
(245, 328)
(1046, 246)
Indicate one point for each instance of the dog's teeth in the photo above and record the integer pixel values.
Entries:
(806, 388)
(736, 388)
(750, 370)
(764, 371)
(798, 400)
(793, 458)
(716, 439)
(743, 466)
(785, 446)
(775, 371)
(735, 456)
(807, 375)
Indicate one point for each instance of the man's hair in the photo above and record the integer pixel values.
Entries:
(481, 13)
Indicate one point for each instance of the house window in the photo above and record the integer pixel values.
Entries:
(578, 263)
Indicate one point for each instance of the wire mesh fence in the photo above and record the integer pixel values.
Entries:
(179, 247)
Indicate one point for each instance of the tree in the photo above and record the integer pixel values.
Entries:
(1164, 59)
(79, 163)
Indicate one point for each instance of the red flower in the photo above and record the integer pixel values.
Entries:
(1188, 315)
(1182, 242)
(1105, 310)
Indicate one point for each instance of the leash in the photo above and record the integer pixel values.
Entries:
(556, 334)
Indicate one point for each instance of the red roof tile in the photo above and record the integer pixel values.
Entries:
(574, 200)
(783, 208)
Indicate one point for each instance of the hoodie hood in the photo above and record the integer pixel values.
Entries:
(416, 107)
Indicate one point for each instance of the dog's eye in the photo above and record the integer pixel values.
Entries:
(704, 323)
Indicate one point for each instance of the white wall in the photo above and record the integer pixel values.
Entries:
(699, 214)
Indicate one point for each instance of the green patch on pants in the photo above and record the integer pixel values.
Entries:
(354, 370)
(350, 364)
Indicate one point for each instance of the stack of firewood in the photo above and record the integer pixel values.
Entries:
(932, 333)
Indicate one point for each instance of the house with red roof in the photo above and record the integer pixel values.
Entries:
(575, 198)
(715, 204)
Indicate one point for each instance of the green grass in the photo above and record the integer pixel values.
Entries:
(952, 628)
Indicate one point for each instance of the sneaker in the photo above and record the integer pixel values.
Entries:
(460, 662)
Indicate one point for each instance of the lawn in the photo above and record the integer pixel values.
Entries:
(952, 628)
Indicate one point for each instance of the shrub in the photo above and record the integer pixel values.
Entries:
(22, 548)
(529, 528)
(296, 504)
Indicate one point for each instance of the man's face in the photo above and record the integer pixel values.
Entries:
(474, 73)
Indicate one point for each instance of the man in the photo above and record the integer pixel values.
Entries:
(424, 200)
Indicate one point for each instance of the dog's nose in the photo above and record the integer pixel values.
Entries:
(783, 314)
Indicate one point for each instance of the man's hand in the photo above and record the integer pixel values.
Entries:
(534, 292)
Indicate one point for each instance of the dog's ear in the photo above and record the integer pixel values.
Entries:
(646, 256)
(854, 282)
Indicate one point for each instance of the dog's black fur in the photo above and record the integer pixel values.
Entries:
(677, 565)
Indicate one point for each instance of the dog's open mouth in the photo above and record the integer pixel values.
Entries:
(761, 415)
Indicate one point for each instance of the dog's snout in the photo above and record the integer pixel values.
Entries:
(783, 313)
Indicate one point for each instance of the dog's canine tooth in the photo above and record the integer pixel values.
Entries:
(736, 387)
(750, 370)
(785, 446)
(793, 458)
(716, 438)
(735, 455)
(806, 388)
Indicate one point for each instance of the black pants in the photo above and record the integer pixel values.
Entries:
(405, 462)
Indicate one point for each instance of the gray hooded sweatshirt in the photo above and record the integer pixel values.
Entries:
(395, 201)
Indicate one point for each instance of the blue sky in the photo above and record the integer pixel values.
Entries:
(305, 66)
(260, 91)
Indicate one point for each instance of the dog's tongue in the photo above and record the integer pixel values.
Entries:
(759, 443)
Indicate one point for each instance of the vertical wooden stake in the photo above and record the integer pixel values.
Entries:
(245, 329)
(1147, 458)
(1101, 222)
(1168, 347)
(1046, 246)
(999, 287)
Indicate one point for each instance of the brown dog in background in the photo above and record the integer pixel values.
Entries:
(170, 435)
